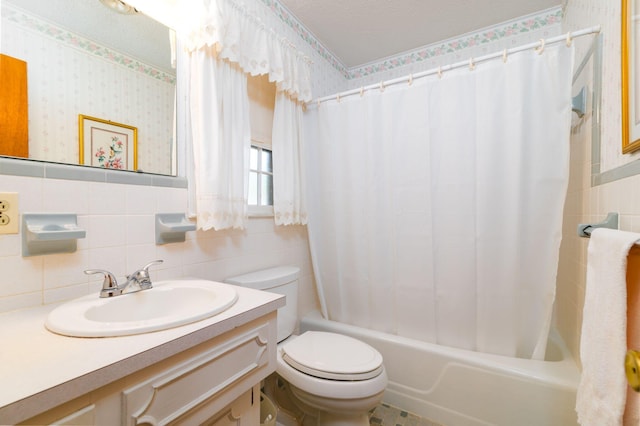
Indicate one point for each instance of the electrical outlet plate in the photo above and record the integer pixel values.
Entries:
(9, 216)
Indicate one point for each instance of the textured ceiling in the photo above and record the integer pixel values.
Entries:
(362, 31)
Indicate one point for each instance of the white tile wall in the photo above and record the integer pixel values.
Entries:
(120, 225)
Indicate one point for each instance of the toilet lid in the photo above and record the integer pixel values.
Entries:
(332, 356)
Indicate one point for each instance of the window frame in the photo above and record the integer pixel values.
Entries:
(257, 210)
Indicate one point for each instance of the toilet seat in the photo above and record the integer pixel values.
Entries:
(315, 353)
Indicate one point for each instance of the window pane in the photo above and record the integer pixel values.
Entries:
(266, 161)
(253, 159)
(253, 188)
(267, 191)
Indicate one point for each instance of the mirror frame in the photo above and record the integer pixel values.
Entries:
(628, 77)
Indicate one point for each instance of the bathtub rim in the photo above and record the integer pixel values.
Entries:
(563, 373)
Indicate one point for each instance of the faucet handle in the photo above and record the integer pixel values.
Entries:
(141, 276)
(155, 262)
(109, 284)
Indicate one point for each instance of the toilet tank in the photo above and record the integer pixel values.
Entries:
(280, 280)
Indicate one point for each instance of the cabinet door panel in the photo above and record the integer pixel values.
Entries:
(195, 390)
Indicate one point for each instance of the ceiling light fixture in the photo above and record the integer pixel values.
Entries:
(119, 6)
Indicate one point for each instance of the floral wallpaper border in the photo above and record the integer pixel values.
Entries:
(511, 28)
(73, 40)
(289, 19)
(487, 35)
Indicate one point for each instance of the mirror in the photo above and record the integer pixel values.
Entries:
(630, 47)
(85, 59)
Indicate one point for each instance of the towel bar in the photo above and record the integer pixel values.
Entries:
(611, 222)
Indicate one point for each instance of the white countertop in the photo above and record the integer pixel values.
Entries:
(40, 369)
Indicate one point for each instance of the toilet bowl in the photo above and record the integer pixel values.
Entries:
(328, 378)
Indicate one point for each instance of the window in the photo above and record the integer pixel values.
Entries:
(260, 177)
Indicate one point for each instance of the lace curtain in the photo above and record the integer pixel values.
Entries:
(228, 31)
(241, 37)
(288, 196)
(221, 139)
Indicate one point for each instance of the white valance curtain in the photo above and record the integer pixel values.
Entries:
(437, 207)
(241, 37)
(218, 138)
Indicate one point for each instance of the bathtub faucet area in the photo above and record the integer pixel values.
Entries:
(139, 280)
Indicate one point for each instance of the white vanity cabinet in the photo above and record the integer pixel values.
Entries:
(216, 382)
(244, 411)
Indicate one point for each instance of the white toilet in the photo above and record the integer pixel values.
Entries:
(332, 379)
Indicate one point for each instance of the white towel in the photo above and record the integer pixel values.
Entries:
(603, 344)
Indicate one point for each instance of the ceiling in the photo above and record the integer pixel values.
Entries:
(357, 32)
(362, 31)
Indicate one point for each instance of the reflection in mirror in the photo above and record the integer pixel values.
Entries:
(630, 79)
(83, 58)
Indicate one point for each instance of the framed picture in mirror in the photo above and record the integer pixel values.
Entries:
(107, 144)
(630, 65)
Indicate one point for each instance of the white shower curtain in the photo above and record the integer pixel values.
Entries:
(435, 209)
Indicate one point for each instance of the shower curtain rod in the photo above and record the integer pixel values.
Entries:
(471, 63)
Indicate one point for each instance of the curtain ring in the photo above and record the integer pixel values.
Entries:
(410, 79)
(439, 72)
(569, 40)
(472, 65)
(504, 56)
(361, 91)
(382, 86)
(338, 97)
(540, 48)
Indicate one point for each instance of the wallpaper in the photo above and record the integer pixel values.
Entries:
(607, 14)
(99, 83)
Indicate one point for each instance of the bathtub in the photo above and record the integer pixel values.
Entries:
(457, 387)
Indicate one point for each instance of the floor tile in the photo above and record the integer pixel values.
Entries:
(387, 415)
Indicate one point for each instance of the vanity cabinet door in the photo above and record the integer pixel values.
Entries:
(195, 390)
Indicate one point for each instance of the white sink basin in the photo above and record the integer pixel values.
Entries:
(168, 304)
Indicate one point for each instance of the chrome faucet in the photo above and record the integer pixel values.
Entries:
(139, 280)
